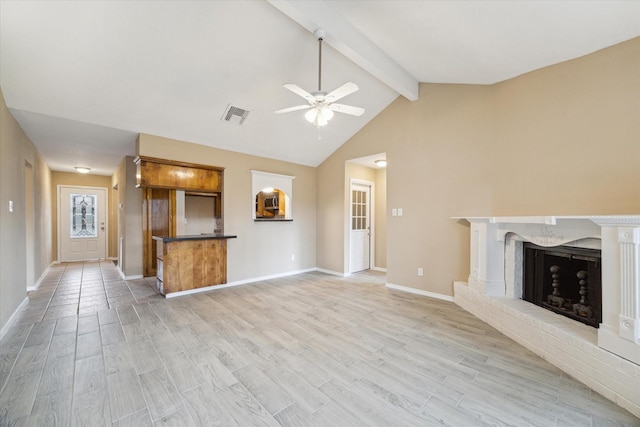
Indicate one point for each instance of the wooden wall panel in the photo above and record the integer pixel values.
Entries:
(191, 264)
(162, 173)
(158, 219)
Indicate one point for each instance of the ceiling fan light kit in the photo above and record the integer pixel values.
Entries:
(322, 104)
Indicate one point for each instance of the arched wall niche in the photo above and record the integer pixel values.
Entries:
(272, 196)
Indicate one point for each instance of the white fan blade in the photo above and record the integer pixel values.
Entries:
(347, 109)
(344, 90)
(299, 91)
(296, 108)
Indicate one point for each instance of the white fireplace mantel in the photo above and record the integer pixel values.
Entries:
(489, 294)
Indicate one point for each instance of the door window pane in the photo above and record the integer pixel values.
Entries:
(83, 215)
(358, 210)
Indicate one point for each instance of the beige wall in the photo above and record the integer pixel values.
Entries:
(561, 140)
(129, 224)
(83, 180)
(16, 150)
(262, 248)
(381, 218)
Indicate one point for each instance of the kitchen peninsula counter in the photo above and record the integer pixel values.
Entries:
(191, 262)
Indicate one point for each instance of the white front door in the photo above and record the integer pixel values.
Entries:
(360, 228)
(82, 223)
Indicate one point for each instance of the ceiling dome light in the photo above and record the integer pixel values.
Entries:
(311, 115)
(327, 113)
(319, 115)
(82, 169)
(381, 163)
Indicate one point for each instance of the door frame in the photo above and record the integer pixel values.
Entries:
(106, 212)
(372, 221)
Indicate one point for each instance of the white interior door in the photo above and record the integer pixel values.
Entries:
(360, 228)
(82, 223)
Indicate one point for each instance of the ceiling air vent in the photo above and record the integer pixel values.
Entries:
(234, 115)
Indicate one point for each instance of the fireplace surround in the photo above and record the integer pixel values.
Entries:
(606, 359)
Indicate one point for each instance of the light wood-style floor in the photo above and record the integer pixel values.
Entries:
(308, 350)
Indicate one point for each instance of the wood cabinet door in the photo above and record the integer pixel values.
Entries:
(158, 215)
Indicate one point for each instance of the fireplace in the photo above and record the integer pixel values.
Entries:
(606, 358)
(564, 279)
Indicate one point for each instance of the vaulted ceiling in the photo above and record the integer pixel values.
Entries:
(84, 78)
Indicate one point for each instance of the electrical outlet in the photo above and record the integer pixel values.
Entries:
(420, 272)
(10, 205)
(293, 257)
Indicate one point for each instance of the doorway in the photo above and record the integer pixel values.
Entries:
(82, 223)
(360, 227)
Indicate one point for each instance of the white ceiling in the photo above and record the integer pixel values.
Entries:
(84, 78)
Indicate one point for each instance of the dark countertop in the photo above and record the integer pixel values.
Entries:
(204, 236)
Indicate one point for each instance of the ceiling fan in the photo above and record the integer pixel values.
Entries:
(322, 104)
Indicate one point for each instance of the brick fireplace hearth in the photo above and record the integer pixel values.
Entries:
(606, 359)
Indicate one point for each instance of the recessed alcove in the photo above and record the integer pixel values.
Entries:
(272, 196)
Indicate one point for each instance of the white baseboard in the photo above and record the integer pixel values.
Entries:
(9, 323)
(237, 283)
(132, 277)
(384, 270)
(333, 273)
(42, 276)
(419, 292)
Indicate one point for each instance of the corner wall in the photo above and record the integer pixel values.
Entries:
(560, 140)
(15, 151)
(129, 211)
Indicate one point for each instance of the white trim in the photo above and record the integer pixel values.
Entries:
(39, 281)
(331, 272)
(273, 175)
(236, 283)
(124, 277)
(384, 270)
(419, 292)
(12, 319)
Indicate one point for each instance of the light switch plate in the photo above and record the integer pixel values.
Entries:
(10, 205)
(394, 212)
(400, 212)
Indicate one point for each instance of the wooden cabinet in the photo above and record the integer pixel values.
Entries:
(271, 205)
(160, 178)
(162, 173)
(191, 262)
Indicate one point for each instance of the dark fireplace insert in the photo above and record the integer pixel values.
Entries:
(565, 280)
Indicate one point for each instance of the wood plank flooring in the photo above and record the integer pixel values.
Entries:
(90, 349)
